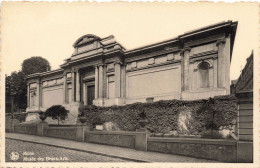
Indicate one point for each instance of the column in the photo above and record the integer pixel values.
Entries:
(118, 79)
(221, 67)
(28, 95)
(185, 68)
(65, 88)
(96, 82)
(78, 86)
(100, 85)
(72, 86)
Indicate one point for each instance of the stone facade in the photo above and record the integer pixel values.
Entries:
(102, 72)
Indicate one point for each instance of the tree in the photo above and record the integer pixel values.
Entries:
(34, 65)
(57, 112)
(16, 85)
(16, 91)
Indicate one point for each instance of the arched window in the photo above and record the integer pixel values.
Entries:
(203, 74)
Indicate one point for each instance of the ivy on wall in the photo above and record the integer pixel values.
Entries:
(163, 115)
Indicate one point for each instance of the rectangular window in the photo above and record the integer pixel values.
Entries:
(111, 87)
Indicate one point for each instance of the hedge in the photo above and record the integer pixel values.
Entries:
(163, 115)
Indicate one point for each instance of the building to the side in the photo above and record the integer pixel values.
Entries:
(245, 81)
(194, 65)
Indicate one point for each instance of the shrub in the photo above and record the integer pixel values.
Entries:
(57, 112)
(163, 115)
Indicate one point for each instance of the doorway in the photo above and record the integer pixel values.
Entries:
(90, 94)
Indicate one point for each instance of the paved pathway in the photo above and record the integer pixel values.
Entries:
(34, 152)
(104, 150)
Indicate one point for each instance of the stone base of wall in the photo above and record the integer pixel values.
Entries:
(214, 149)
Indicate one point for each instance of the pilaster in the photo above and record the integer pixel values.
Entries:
(78, 85)
(105, 94)
(85, 94)
(185, 68)
(227, 64)
(191, 75)
(118, 79)
(215, 72)
(211, 76)
(38, 101)
(96, 82)
(221, 67)
(72, 86)
(100, 81)
(28, 95)
(65, 88)
(123, 81)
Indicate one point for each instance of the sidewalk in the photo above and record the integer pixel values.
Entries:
(113, 151)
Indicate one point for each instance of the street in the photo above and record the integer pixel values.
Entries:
(32, 152)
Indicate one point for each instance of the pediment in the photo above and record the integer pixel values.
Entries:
(88, 38)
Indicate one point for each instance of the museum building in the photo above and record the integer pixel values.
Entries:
(194, 65)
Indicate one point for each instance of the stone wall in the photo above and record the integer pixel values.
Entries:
(214, 149)
(61, 132)
(26, 129)
(136, 140)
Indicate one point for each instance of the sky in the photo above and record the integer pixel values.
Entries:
(50, 29)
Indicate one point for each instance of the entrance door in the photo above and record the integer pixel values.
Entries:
(90, 94)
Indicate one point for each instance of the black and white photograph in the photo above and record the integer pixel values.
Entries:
(132, 84)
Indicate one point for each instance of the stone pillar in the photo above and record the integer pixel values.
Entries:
(118, 79)
(96, 82)
(28, 95)
(72, 86)
(221, 61)
(185, 68)
(65, 88)
(78, 86)
(100, 81)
